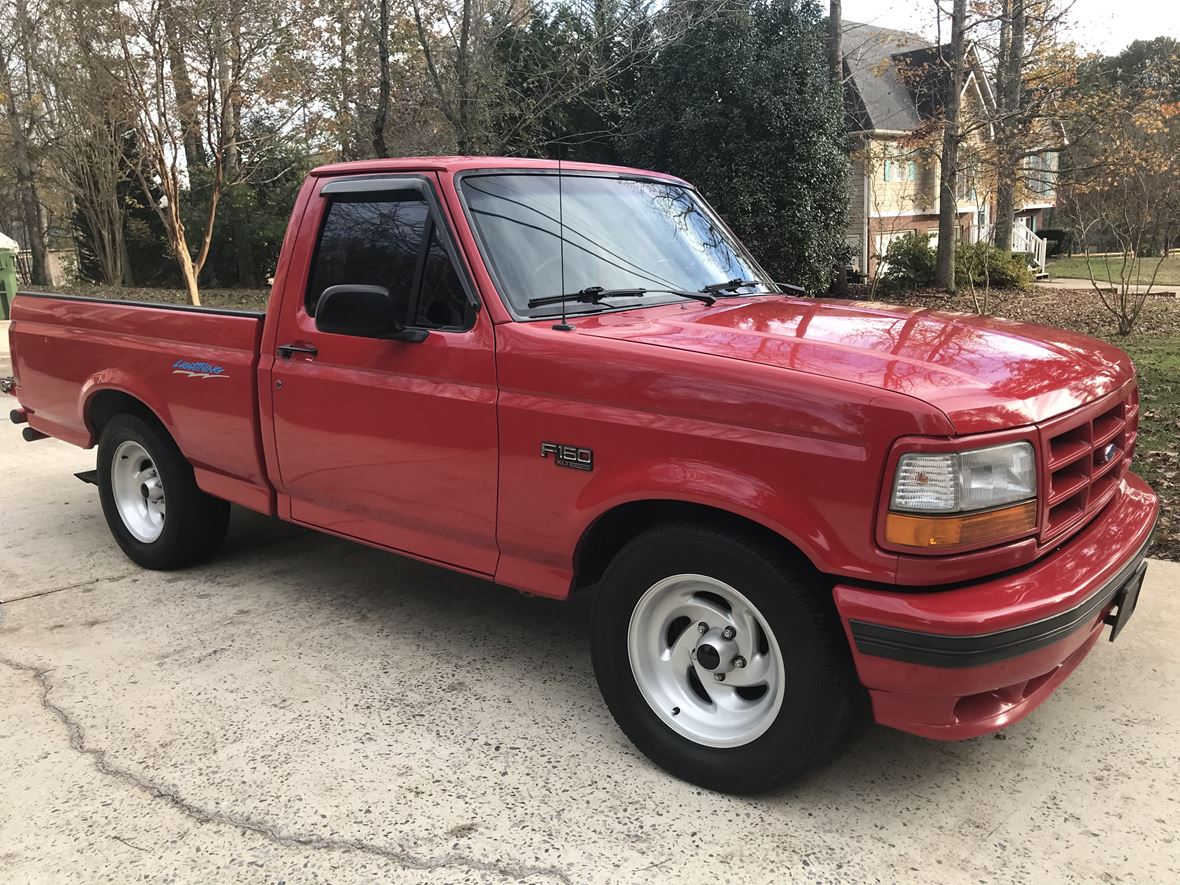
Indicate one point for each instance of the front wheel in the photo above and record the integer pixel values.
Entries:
(721, 658)
(150, 498)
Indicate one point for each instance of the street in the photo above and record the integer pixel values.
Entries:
(303, 709)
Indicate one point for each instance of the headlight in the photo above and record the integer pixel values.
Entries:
(955, 499)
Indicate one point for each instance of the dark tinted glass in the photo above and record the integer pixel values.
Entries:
(443, 302)
(372, 243)
(619, 234)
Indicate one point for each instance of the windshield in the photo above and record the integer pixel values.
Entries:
(620, 233)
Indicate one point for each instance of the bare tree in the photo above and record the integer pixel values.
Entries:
(948, 206)
(16, 49)
(1120, 189)
(89, 141)
(226, 55)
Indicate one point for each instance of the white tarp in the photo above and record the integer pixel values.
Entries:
(9, 245)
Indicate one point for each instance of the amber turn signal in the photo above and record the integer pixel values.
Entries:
(962, 530)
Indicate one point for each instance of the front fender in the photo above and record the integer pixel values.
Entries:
(710, 485)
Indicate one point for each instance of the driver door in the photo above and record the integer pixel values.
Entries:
(389, 442)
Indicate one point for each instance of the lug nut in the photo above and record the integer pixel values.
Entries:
(739, 662)
(718, 677)
(702, 627)
(693, 654)
(728, 633)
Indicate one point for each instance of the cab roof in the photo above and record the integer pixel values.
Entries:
(453, 165)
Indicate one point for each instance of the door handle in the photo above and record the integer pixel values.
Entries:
(286, 351)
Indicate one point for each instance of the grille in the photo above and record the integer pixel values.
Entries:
(1081, 477)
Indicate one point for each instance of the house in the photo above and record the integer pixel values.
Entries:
(895, 84)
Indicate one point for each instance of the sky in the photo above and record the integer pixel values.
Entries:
(1105, 26)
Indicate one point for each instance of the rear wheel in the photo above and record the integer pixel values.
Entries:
(150, 498)
(721, 658)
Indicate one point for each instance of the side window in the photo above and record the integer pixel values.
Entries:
(378, 241)
(372, 243)
(443, 301)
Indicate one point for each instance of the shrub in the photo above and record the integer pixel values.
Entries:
(983, 264)
(909, 263)
(741, 105)
(1058, 240)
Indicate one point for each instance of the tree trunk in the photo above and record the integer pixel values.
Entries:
(106, 234)
(189, 273)
(835, 42)
(119, 253)
(1009, 88)
(344, 112)
(382, 110)
(464, 97)
(128, 271)
(948, 206)
(836, 72)
(186, 103)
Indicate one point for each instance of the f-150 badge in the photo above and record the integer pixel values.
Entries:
(568, 456)
(198, 369)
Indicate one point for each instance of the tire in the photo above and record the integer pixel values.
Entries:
(749, 737)
(177, 524)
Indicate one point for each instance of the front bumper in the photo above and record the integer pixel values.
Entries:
(958, 663)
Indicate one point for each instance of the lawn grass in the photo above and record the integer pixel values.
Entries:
(1109, 268)
(1157, 456)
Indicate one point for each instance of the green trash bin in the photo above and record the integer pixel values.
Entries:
(7, 280)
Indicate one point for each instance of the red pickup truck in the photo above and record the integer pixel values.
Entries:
(578, 379)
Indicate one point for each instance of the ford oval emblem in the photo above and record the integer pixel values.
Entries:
(1109, 452)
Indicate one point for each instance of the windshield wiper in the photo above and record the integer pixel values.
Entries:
(595, 294)
(730, 285)
(792, 289)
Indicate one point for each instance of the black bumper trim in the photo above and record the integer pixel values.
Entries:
(943, 650)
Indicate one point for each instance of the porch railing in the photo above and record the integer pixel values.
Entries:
(1024, 240)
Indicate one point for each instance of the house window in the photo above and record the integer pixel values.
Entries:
(896, 169)
(1041, 173)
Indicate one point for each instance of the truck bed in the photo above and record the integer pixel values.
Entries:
(195, 368)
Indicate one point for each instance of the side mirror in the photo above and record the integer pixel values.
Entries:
(363, 312)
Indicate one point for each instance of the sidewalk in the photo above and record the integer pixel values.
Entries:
(1068, 283)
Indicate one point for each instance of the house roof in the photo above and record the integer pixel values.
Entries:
(896, 79)
(877, 96)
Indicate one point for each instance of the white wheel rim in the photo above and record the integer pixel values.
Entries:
(676, 661)
(138, 491)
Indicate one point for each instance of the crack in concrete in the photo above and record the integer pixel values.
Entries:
(41, 593)
(404, 859)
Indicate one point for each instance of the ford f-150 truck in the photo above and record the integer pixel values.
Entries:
(576, 378)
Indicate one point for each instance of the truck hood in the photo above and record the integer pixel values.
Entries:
(983, 373)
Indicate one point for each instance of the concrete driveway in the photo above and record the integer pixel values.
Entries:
(305, 710)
